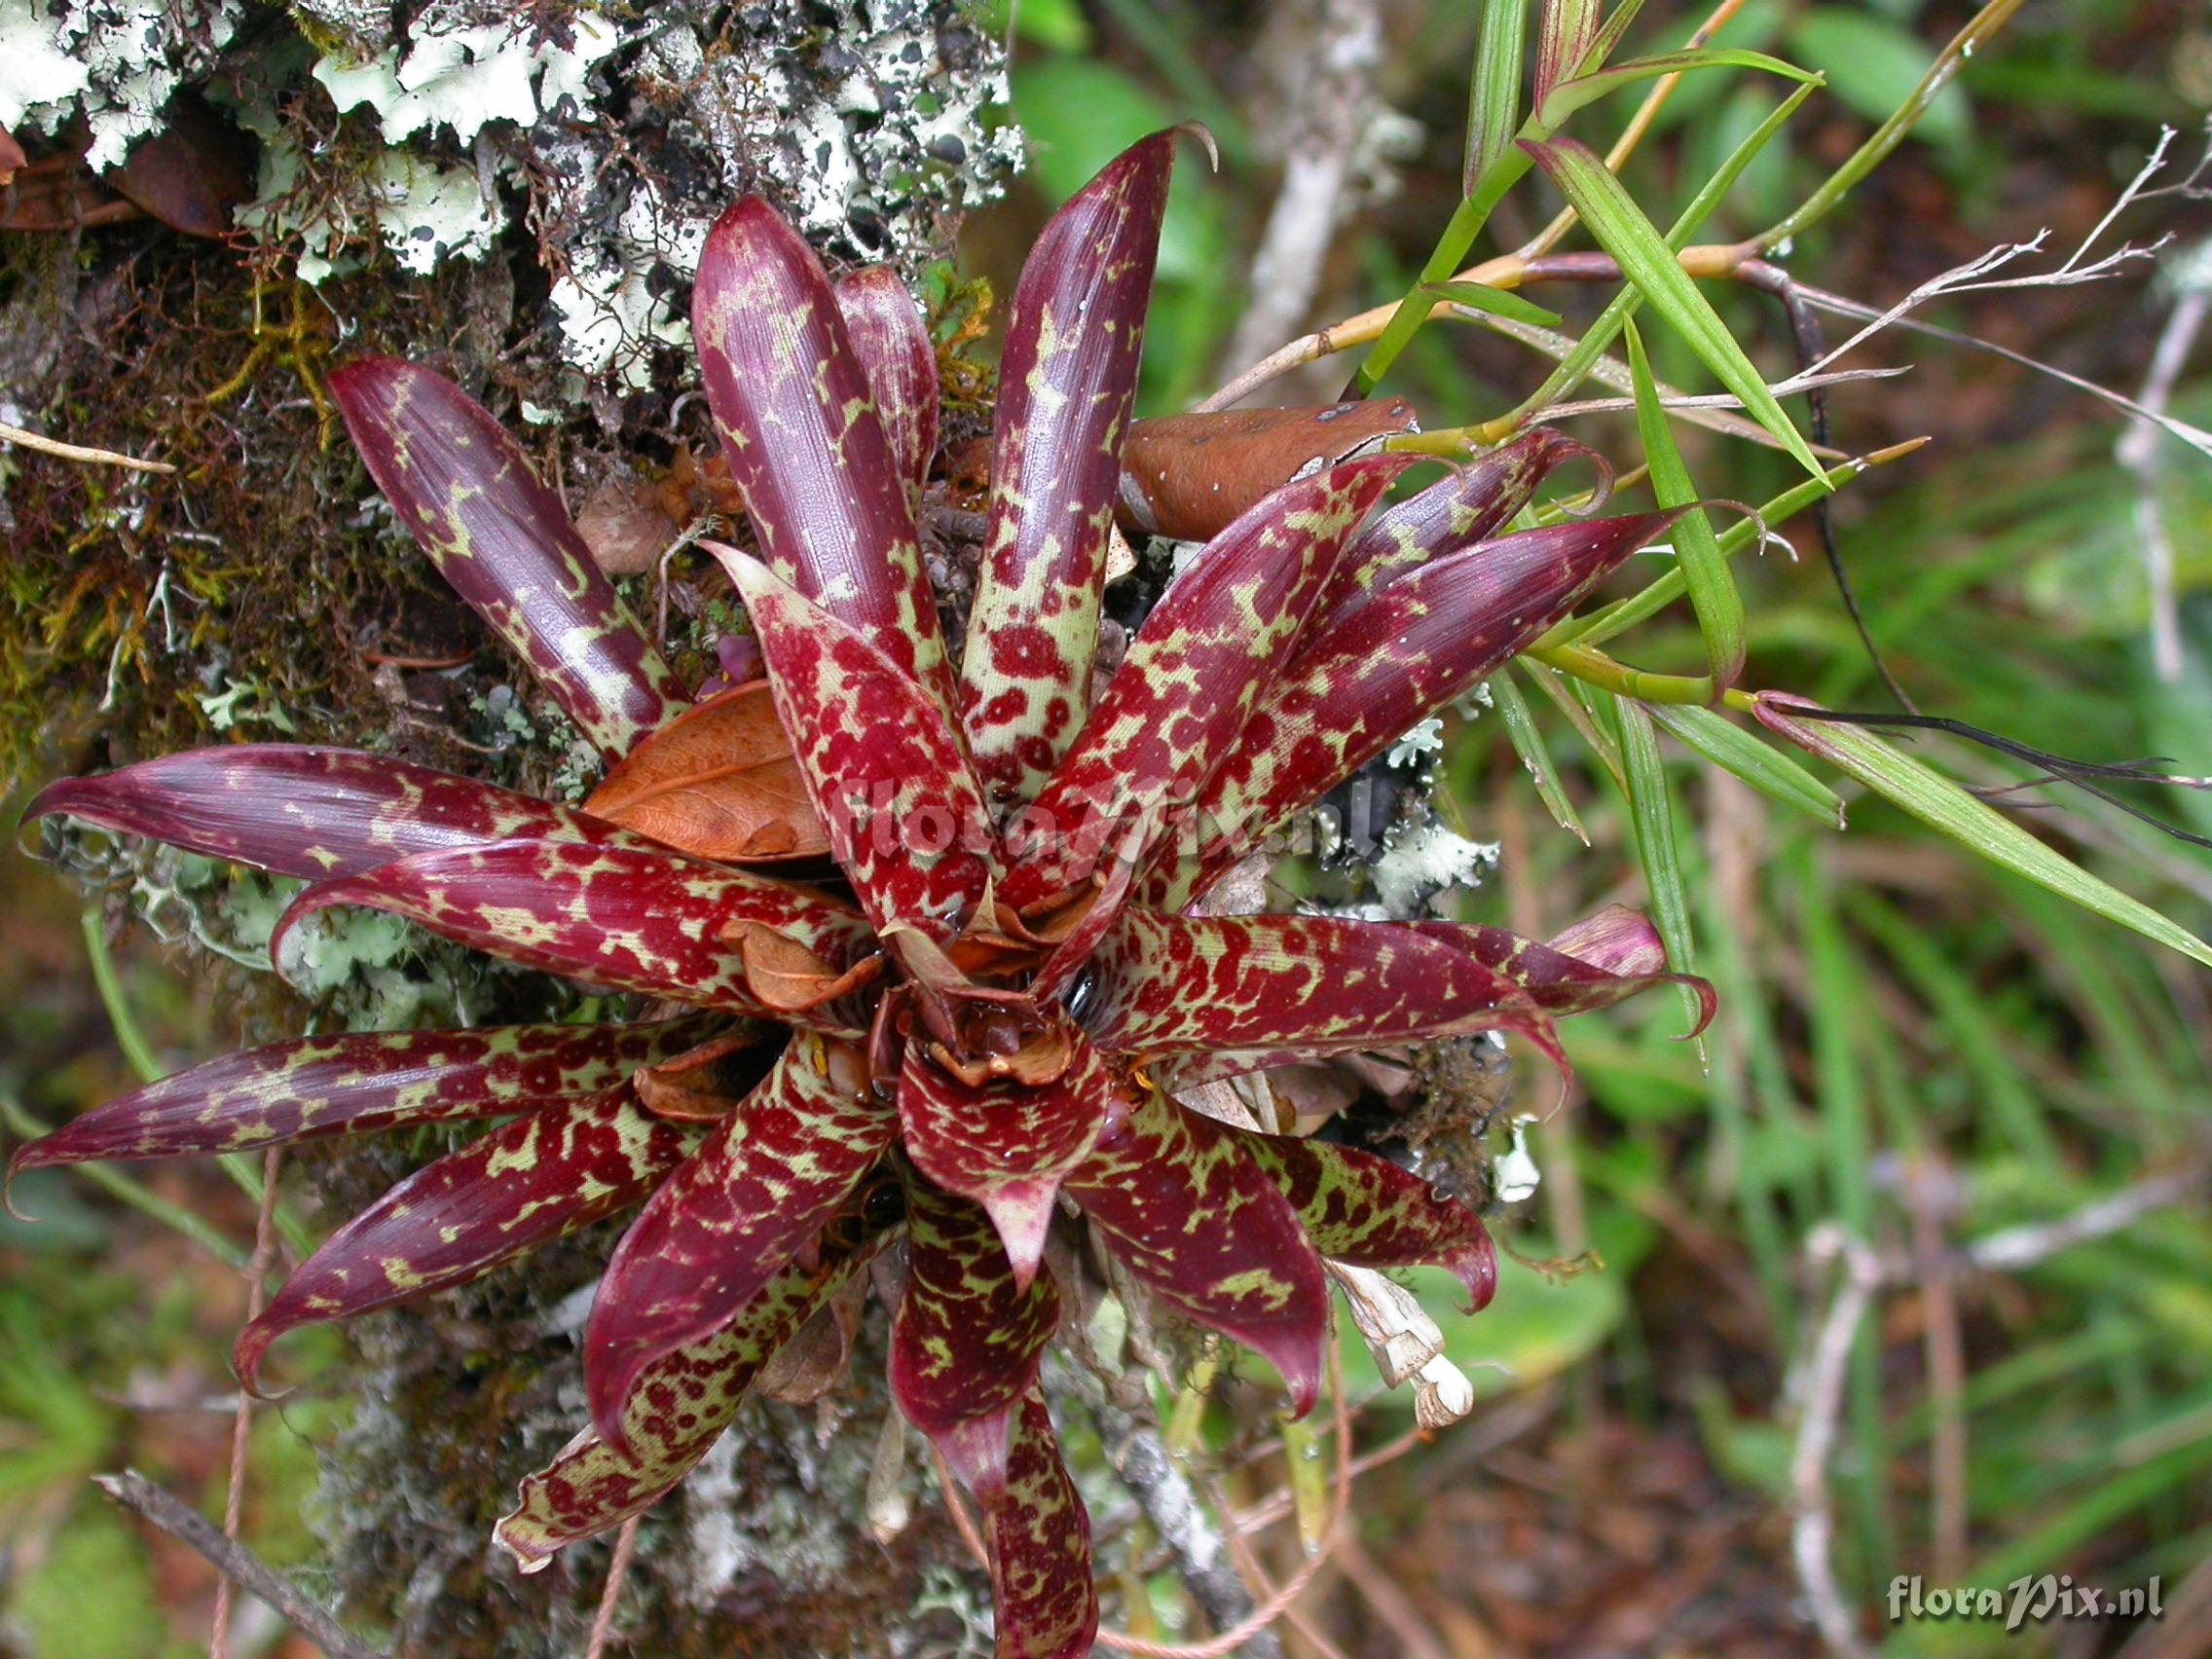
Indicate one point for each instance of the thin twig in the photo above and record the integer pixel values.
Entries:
(162, 1509)
(2024, 1247)
(256, 1297)
(1926, 1184)
(1811, 1532)
(1252, 1634)
(1818, 1384)
(610, 1598)
(78, 452)
(2138, 451)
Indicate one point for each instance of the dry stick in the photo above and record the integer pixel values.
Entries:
(78, 452)
(1253, 1628)
(162, 1509)
(1819, 1381)
(1811, 1532)
(617, 1569)
(2139, 452)
(256, 1297)
(1327, 113)
(1946, 1361)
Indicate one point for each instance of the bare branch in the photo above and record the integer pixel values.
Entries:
(1818, 1384)
(2138, 452)
(1820, 1391)
(77, 452)
(140, 1496)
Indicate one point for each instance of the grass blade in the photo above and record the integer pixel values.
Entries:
(1651, 813)
(1570, 96)
(1715, 738)
(1645, 259)
(1949, 810)
(1705, 569)
(1477, 296)
(1493, 101)
(1528, 741)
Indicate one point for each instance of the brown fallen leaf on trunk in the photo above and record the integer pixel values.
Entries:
(1190, 476)
(717, 782)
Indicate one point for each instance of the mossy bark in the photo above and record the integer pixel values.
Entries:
(260, 592)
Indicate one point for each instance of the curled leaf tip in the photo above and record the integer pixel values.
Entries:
(1203, 134)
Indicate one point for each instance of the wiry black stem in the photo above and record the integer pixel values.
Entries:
(2051, 768)
(1805, 334)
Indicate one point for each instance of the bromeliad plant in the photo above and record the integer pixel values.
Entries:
(973, 1033)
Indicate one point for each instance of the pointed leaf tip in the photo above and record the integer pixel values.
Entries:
(826, 491)
(1067, 377)
(503, 543)
(967, 1337)
(1159, 1190)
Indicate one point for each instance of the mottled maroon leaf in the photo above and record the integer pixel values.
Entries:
(1192, 476)
(1363, 1210)
(1068, 374)
(312, 1087)
(1196, 671)
(1382, 664)
(524, 1184)
(967, 1339)
(1595, 963)
(1040, 1543)
(1474, 502)
(501, 540)
(1006, 1145)
(624, 917)
(824, 489)
(757, 1191)
(905, 818)
(1198, 1222)
(296, 810)
(900, 364)
(678, 1409)
(1304, 985)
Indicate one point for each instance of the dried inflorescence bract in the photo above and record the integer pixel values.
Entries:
(971, 1033)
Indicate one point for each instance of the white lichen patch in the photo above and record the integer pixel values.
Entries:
(426, 212)
(1416, 745)
(461, 74)
(423, 212)
(611, 318)
(37, 72)
(611, 138)
(1424, 860)
(116, 64)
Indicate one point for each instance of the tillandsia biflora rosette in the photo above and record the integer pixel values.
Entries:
(934, 921)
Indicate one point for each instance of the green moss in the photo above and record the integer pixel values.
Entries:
(90, 1596)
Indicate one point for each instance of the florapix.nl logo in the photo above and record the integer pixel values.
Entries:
(2030, 1600)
